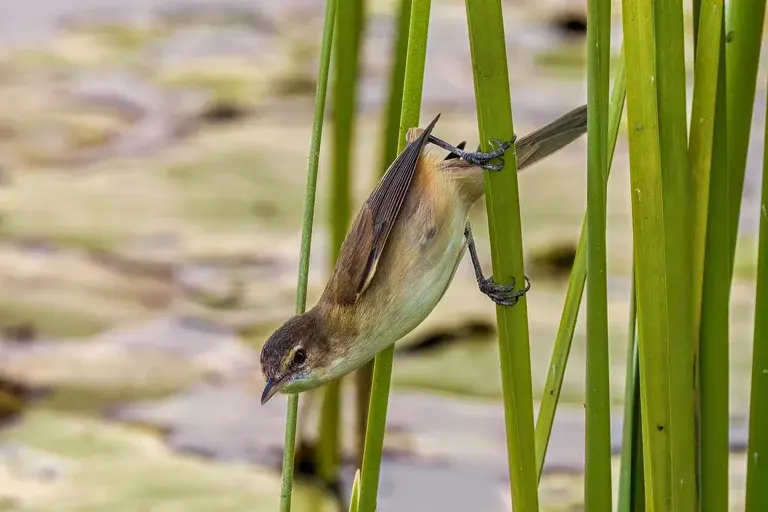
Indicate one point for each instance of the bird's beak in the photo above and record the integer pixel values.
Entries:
(270, 388)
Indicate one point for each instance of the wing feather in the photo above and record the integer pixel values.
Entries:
(367, 238)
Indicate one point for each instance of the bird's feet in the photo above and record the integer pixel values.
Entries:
(479, 158)
(501, 294)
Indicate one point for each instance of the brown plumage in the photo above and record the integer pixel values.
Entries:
(397, 260)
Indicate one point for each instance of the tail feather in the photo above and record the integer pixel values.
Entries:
(551, 138)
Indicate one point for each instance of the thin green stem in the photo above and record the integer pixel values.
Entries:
(713, 378)
(390, 138)
(391, 135)
(744, 21)
(702, 132)
(709, 85)
(757, 450)
(562, 347)
(597, 481)
(382, 370)
(289, 449)
(350, 18)
(494, 116)
(631, 490)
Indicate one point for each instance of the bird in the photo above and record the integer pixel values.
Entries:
(399, 256)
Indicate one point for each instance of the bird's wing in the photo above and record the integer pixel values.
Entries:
(366, 239)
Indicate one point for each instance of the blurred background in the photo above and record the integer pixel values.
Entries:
(152, 170)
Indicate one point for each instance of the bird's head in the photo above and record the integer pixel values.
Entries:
(294, 358)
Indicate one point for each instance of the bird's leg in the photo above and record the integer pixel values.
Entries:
(504, 295)
(478, 158)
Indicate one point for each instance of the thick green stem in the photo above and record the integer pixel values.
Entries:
(649, 251)
(597, 481)
(713, 354)
(678, 248)
(494, 115)
(744, 21)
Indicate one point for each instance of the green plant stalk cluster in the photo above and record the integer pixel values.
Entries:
(289, 444)
(494, 115)
(597, 481)
(562, 347)
(382, 370)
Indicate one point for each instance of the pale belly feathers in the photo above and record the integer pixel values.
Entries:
(421, 284)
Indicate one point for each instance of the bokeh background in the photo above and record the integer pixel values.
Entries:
(152, 167)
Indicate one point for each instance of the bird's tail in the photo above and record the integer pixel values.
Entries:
(552, 137)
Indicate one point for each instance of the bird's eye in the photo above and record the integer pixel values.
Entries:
(299, 357)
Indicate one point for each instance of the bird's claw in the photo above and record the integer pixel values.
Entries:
(481, 159)
(503, 295)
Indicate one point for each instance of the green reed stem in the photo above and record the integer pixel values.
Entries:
(649, 251)
(494, 116)
(744, 21)
(391, 135)
(350, 18)
(390, 138)
(597, 480)
(757, 450)
(712, 377)
(678, 215)
(702, 132)
(354, 499)
(631, 485)
(382, 369)
(289, 449)
(562, 348)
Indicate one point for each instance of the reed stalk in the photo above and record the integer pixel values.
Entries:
(597, 481)
(631, 483)
(678, 215)
(649, 253)
(576, 282)
(494, 116)
(390, 137)
(350, 19)
(289, 446)
(744, 21)
(757, 450)
(707, 65)
(713, 322)
(382, 371)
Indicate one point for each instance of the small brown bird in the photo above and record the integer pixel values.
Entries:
(399, 257)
